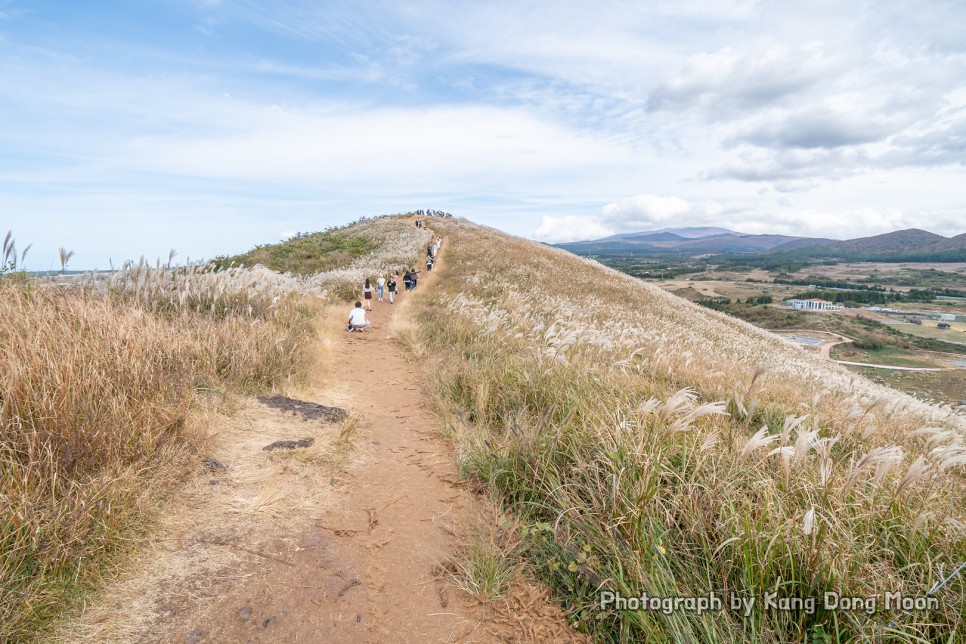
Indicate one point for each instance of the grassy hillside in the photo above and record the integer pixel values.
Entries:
(335, 263)
(384, 240)
(648, 445)
(306, 253)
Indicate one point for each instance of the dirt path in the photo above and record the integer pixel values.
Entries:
(893, 367)
(829, 339)
(401, 508)
(284, 546)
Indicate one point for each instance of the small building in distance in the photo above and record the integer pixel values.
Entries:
(813, 304)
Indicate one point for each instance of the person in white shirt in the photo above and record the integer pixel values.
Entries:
(380, 287)
(357, 319)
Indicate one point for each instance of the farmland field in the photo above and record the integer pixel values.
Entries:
(882, 337)
(956, 333)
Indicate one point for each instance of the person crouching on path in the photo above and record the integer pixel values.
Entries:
(367, 294)
(357, 319)
(380, 287)
(393, 279)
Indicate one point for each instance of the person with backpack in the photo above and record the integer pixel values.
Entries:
(408, 280)
(429, 262)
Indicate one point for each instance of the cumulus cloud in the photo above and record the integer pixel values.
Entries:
(942, 143)
(634, 214)
(652, 212)
(645, 210)
(743, 79)
(570, 228)
(791, 164)
(844, 224)
(818, 127)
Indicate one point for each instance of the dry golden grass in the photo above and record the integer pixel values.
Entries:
(649, 445)
(107, 388)
(96, 390)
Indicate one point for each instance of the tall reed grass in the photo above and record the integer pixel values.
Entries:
(650, 446)
(390, 243)
(98, 386)
(99, 380)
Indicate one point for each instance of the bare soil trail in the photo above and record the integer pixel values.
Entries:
(280, 547)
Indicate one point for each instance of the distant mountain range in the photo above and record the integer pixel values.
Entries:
(902, 245)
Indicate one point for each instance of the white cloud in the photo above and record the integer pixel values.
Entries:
(463, 146)
(781, 216)
(634, 214)
(860, 222)
(570, 228)
(819, 117)
(645, 210)
(729, 78)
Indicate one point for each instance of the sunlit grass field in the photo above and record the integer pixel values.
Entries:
(928, 329)
(105, 386)
(645, 445)
(634, 442)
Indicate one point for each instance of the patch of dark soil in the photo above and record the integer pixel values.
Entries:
(304, 442)
(213, 465)
(307, 410)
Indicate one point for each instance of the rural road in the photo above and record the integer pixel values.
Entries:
(885, 366)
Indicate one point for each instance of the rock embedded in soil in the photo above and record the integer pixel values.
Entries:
(304, 442)
(307, 410)
(213, 465)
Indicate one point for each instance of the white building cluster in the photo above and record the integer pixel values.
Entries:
(813, 304)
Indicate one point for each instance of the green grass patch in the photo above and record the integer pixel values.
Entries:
(306, 253)
(889, 356)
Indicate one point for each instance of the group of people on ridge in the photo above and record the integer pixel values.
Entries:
(431, 251)
(357, 317)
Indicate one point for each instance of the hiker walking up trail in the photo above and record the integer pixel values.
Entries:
(429, 262)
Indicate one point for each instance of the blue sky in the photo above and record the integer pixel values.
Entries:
(209, 126)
